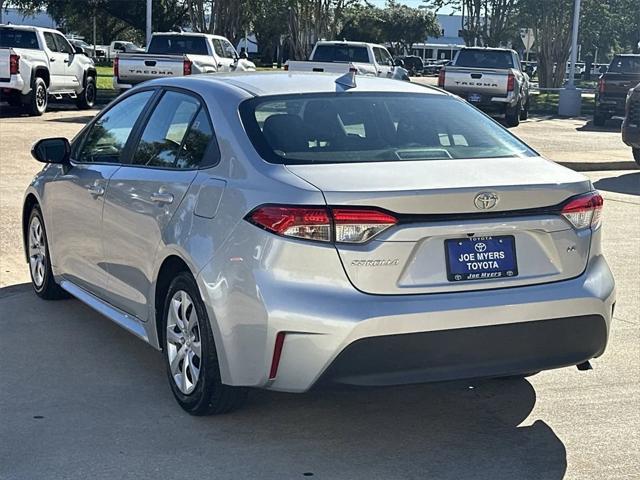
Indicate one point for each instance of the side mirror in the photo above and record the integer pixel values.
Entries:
(399, 63)
(79, 50)
(52, 150)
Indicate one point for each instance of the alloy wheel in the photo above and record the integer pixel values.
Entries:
(37, 252)
(41, 97)
(184, 347)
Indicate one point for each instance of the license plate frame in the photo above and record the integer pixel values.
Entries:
(474, 98)
(466, 260)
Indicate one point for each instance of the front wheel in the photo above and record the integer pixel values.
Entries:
(40, 259)
(87, 98)
(636, 155)
(190, 353)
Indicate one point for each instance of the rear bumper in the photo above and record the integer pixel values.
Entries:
(505, 349)
(613, 106)
(14, 83)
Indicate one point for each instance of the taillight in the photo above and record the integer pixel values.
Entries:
(441, 74)
(286, 67)
(511, 82)
(277, 353)
(584, 211)
(601, 85)
(116, 67)
(14, 64)
(186, 66)
(344, 225)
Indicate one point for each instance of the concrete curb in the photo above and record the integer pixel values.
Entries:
(600, 166)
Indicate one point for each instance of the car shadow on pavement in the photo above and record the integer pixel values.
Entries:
(7, 111)
(83, 385)
(628, 183)
(612, 126)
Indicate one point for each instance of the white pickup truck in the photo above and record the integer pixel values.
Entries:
(175, 55)
(36, 63)
(341, 57)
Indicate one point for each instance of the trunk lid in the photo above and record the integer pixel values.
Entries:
(435, 202)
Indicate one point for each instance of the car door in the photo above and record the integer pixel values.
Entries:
(226, 54)
(75, 198)
(384, 62)
(57, 66)
(72, 70)
(144, 195)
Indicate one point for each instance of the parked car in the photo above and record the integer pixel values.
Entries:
(36, 63)
(341, 57)
(433, 67)
(491, 79)
(631, 123)
(283, 230)
(89, 50)
(121, 46)
(177, 54)
(623, 73)
(412, 63)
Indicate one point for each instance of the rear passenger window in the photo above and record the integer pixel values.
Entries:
(177, 134)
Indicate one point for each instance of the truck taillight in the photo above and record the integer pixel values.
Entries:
(511, 82)
(116, 67)
(286, 67)
(344, 225)
(441, 78)
(14, 64)
(584, 211)
(601, 85)
(186, 66)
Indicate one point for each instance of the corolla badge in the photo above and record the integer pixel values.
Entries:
(486, 200)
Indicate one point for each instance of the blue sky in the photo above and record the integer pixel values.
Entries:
(411, 3)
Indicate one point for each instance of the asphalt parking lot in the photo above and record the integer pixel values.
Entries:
(80, 398)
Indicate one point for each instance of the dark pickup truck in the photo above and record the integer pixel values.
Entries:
(622, 75)
(631, 124)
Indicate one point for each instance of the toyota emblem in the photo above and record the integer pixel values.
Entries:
(486, 200)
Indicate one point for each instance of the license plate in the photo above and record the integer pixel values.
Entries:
(474, 97)
(479, 258)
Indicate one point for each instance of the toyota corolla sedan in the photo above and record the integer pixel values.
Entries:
(284, 231)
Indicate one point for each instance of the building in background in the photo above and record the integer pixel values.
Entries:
(446, 45)
(14, 17)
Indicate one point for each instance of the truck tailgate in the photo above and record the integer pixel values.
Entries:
(309, 66)
(137, 68)
(463, 81)
(4, 64)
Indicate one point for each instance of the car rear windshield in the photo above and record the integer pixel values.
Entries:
(178, 45)
(340, 53)
(625, 65)
(484, 59)
(11, 38)
(373, 127)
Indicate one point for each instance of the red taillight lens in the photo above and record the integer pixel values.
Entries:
(601, 85)
(441, 74)
(358, 226)
(286, 67)
(186, 66)
(116, 67)
(346, 225)
(584, 211)
(14, 64)
(511, 82)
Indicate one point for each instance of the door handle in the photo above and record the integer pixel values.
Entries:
(65, 61)
(52, 59)
(96, 190)
(162, 197)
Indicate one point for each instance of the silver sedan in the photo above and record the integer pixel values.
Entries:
(287, 230)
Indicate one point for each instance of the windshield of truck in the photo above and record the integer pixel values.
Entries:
(340, 53)
(625, 65)
(178, 45)
(484, 59)
(11, 38)
(373, 127)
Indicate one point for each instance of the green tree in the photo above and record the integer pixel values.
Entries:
(403, 26)
(363, 22)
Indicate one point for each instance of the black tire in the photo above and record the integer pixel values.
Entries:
(209, 395)
(524, 114)
(599, 119)
(87, 98)
(38, 98)
(46, 288)
(512, 115)
(636, 155)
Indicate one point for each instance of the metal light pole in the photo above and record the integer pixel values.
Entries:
(149, 28)
(570, 103)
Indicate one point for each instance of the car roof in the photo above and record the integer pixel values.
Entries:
(29, 28)
(188, 34)
(348, 42)
(285, 83)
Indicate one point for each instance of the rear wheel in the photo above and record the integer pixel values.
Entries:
(87, 98)
(40, 260)
(512, 115)
(599, 118)
(190, 353)
(38, 98)
(636, 155)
